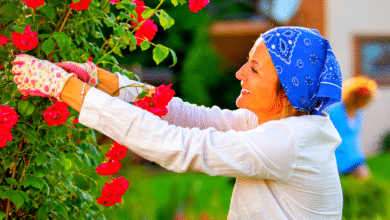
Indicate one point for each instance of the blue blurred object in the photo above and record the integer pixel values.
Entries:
(349, 154)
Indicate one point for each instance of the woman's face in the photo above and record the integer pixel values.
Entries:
(258, 81)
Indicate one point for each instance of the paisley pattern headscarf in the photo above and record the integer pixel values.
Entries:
(306, 67)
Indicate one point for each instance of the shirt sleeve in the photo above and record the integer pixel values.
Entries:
(189, 115)
(268, 152)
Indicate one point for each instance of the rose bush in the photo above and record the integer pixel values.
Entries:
(50, 164)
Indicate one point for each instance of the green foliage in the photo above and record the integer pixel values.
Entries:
(49, 172)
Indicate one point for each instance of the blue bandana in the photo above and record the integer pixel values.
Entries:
(306, 66)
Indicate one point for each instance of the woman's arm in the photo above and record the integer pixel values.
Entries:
(268, 151)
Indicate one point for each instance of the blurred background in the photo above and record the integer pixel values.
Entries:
(211, 46)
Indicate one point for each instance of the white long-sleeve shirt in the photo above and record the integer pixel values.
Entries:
(285, 169)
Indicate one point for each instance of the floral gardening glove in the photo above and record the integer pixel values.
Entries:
(86, 72)
(39, 77)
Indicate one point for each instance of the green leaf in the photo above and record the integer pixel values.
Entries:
(17, 199)
(133, 40)
(41, 158)
(9, 193)
(61, 210)
(119, 31)
(63, 40)
(165, 20)
(25, 107)
(9, 12)
(40, 173)
(93, 150)
(24, 195)
(145, 45)
(43, 36)
(67, 163)
(37, 183)
(11, 181)
(48, 46)
(174, 2)
(160, 52)
(124, 16)
(174, 57)
(2, 215)
(109, 22)
(42, 213)
(128, 6)
(75, 134)
(86, 197)
(56, 165)
(75, 1)
(116, 69)
(128, 74)
(27, 181)
(48, 11)
(147, 13)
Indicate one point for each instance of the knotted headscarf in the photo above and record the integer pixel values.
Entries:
(306, 67)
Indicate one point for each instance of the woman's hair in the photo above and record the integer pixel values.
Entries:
(286, 109)
(359, 91)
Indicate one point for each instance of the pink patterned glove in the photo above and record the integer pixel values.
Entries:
(86, 72)
(39, 77)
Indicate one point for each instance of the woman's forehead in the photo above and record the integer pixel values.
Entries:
(257, 43)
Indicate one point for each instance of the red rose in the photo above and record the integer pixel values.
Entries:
(34, 3)
(5, 136)
(56, 114)
(163, 95)
(117, 153)
(144, 103)
(117, 187)
(3, 40)
(146, 32)
(109, 168)
(8, 117)
(1, 67)
(90, 59)
(115, 1)
(76, 121)
(140, 7)
(81, 5)
(112, 192)
(196, 5)
(25, 41)
(159, 111)
(108, 200)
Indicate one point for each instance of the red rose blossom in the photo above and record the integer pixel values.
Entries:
(81, 5)
(25, 41)
(112, 192)
(3, 40)
(140, 7)
(196, 5)
(147, 31)
(8, 117)
(159, 111)
(1, 67)
(163, 95)
(5, 136)
(56, 114)
(109, 168)
(144, 103)
(117, 153)
(115, 1)
(34, 3)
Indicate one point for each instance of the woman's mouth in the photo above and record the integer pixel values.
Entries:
(245, 92)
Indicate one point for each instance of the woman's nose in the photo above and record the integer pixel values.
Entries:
(240, 74)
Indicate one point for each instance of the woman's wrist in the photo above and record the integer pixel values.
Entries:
(72, 93)
(108, 82)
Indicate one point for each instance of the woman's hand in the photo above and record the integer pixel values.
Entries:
(86, 72)
(39, 77)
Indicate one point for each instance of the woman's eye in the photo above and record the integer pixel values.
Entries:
(254, 70)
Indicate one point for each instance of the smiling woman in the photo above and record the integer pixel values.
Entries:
(279, 145)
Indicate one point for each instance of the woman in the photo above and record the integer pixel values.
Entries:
(279, 145)
(347, 117)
